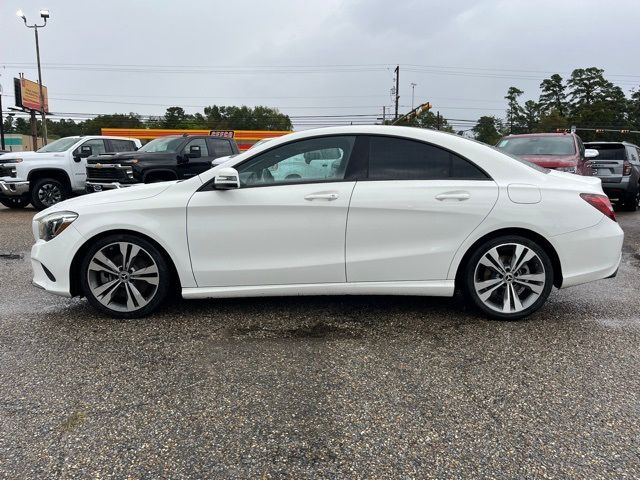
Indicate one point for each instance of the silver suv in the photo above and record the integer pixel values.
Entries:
(618, 166)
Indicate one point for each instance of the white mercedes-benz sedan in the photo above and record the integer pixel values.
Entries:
(372, 210)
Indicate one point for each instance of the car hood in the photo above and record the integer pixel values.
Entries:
(116, 157)
(552, 161)
(136, 192)
(26, 156)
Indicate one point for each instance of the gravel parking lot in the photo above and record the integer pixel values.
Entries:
(359, 387)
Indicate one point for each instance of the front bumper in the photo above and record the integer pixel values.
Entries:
(13, 189)
(92, 187)
(51, 261)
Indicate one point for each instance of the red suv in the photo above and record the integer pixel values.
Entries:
(558, 151)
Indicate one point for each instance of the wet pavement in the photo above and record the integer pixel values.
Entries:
(335, 387)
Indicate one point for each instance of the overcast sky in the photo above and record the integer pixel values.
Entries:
(312, 57)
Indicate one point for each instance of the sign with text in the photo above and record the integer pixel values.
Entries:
(27, 94)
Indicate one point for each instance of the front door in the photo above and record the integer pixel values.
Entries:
(195, 166)
(79, 165)
(275, 230)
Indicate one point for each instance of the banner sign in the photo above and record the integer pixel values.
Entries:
(27, 94)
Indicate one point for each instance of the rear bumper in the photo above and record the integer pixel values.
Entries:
(618, 188)
(589, 254)
(13, 189)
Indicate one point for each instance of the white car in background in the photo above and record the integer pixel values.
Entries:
(387, 210)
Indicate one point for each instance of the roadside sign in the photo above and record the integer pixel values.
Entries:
(27, 94)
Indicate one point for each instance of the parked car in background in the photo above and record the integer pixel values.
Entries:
(55, 172)
(564, 152)
(396, 210)
(174, 157)
(618, 166)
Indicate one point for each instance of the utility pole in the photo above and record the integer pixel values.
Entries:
(397, 90)
(1, 122)
(438, 120)
(34, 130)
(44, 14)
(413, 93)
(384, 114)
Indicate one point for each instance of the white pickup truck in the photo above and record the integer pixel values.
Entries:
(55, 172)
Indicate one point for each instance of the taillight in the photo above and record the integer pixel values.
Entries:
(626, 168)
(601, 202)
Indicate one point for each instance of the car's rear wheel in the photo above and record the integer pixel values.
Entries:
(632, 201)
(509, 277)
(15, 202)
(47, 192)
(125, 276)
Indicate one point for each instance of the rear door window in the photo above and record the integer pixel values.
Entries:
(220, 147)
(393, 158)
(122, 145)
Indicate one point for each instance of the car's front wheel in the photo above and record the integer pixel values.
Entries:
(125, 276)
(47, 192)
(15, 202)
(509, 277)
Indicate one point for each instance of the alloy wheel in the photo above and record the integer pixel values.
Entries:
(123, 276)
(49, 194)
(509, 278)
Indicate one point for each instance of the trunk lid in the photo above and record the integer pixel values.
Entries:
(609, 163)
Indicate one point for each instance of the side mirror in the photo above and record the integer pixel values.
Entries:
(84, 152)
(591, 153)
(194, 151)
(227, 179)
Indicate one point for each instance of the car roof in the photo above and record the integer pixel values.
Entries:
(550, 134)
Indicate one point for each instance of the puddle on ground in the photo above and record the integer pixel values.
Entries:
(317, 330)
(11, 256)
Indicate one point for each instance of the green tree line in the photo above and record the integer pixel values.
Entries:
(586, 99)
(213, 118)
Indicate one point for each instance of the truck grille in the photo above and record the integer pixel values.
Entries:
(6, 171)
(110, 174)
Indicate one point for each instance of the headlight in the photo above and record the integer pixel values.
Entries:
(54, 224)
(14, 160)
(567, 169)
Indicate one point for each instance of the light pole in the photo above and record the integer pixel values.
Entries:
(1, 122)
(44, 14)
(413, 91)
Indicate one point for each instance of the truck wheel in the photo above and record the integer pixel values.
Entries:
(632, 201)
(508, 277)
(125, 276)
(47, 192)
(15, 202)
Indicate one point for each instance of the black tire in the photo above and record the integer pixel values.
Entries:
(472, 269)
(632, 201)
(165, 280)
(15, 202)
(46, 192)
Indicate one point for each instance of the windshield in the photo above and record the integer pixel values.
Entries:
(163, 144)
(538, 145)
(60, 145)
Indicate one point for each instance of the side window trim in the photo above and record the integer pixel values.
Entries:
(451, 152)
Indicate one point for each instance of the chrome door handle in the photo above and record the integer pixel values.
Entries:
(459, 196)
(322, 196)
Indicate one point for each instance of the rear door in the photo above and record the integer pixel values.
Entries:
(418, 205)
(609, 163)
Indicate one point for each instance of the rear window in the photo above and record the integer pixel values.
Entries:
(538, 145)
(608, 151)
